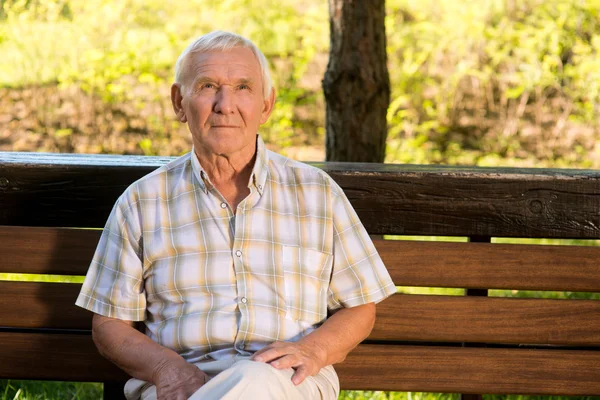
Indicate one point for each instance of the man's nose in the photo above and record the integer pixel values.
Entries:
(224, 101)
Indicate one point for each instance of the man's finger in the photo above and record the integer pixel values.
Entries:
(287, 361)
(269, 355)
(259, 352)
(257, 356)
(267, 348)
(300, 375)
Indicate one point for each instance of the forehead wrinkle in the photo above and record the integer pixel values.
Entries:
(228, 80)
(204, 65)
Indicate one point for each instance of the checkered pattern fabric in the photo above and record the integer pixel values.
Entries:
(210, 282)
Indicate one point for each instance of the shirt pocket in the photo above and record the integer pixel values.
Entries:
(307, 273)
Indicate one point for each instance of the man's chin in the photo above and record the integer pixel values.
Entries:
(227, 148)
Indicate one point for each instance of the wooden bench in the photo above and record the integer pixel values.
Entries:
(471, 344)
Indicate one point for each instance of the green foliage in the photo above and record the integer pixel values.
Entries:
(488, 82)
(482, 82)
(120, 55)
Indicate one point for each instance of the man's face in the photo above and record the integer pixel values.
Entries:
(222, 100)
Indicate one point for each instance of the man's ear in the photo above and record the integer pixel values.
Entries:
(176, 98)
(268, 107)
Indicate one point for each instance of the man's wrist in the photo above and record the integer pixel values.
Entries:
(319, 350)
(168, 369)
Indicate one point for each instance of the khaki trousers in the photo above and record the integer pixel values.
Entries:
(240, 378)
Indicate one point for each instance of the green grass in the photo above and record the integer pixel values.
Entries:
(377, 395)
(41, 278)
(44, 390)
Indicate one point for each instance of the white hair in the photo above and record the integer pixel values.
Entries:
(223, 41)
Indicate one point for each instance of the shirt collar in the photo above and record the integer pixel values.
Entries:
(258, 178)
(260, 170)
(201, 176)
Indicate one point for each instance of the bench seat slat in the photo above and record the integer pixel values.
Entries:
(54, 357)
(488, 320)
(63, 251)
(492, 266)
(45, 305)
(471, 370)
(369, 367)
(400, 318)
(54, 251)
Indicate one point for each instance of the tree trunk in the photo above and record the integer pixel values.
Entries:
(357, 83)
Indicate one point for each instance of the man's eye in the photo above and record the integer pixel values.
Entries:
(208, 86)
(244, 87)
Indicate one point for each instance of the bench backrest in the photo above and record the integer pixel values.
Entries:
(52, 206)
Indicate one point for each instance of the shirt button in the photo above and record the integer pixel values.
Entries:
(259, 187)
(241, 346)
(238, 253)
(244, 300)
(223, 205)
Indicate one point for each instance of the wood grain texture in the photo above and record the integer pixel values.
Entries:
(400, 318)
(471, 370)
(369, 367)
(54, 357)
(79, 190)
(42, 305)
(492, 266)
(488, 320)
(55, 251)
(63, 251)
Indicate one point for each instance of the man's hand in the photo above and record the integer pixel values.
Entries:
(328, 344)
(306, 360)
(178, 382)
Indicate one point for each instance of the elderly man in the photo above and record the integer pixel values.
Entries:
(232, 255)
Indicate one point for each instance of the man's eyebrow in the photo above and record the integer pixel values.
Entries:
(202, 79)
(241, 81)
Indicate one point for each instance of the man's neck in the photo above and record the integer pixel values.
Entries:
(230, 174)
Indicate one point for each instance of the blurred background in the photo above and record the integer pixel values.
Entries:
(474, 82)
(486, 82)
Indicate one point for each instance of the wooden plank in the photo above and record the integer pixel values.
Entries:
(488, 320)
(471, 370)
(58, 251)
(54, 357)
(464, 265)
(369, 367)
(493, 266)
(79, 190)
(42, 305)
(400, 318)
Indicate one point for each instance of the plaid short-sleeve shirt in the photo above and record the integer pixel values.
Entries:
(210, 283)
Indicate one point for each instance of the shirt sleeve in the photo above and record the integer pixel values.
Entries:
(113, 286)
(359, 275)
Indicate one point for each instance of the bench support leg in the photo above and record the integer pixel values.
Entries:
(476, 293)
(114, 391)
